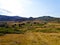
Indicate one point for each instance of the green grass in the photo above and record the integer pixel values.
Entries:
(10, 31)
(28, 27)
(50, 30)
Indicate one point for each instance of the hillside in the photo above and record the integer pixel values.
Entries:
(17, 18)
(9, 18)
(29, 31)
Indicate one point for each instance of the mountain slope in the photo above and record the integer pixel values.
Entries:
(9, 18)
(17, 18)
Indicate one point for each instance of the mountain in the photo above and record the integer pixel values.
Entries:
(17, 18)
(14, 18)
(9, 18)
(49, 18)
(46, 18)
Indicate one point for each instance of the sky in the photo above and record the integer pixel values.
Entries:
(30, 8)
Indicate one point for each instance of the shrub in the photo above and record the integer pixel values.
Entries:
(1, 34)
(58, 28)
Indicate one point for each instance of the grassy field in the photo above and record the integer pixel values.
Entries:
(30, 33)
(31, 38)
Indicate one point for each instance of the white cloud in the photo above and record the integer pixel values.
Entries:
(15, 6)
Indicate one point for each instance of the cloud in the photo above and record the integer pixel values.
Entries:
(15, 6)
(5, 10)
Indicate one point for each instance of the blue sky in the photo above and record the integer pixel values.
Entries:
(30, 8)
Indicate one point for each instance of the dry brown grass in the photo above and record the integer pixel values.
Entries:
(31, 38)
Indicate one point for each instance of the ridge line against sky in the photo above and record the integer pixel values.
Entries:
(30, 8)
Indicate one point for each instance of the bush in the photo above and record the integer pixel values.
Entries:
(1, 34)
(58, 28)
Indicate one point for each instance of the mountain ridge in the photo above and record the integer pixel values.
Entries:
(18, 18)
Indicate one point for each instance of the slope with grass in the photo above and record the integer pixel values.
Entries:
(30, 33)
